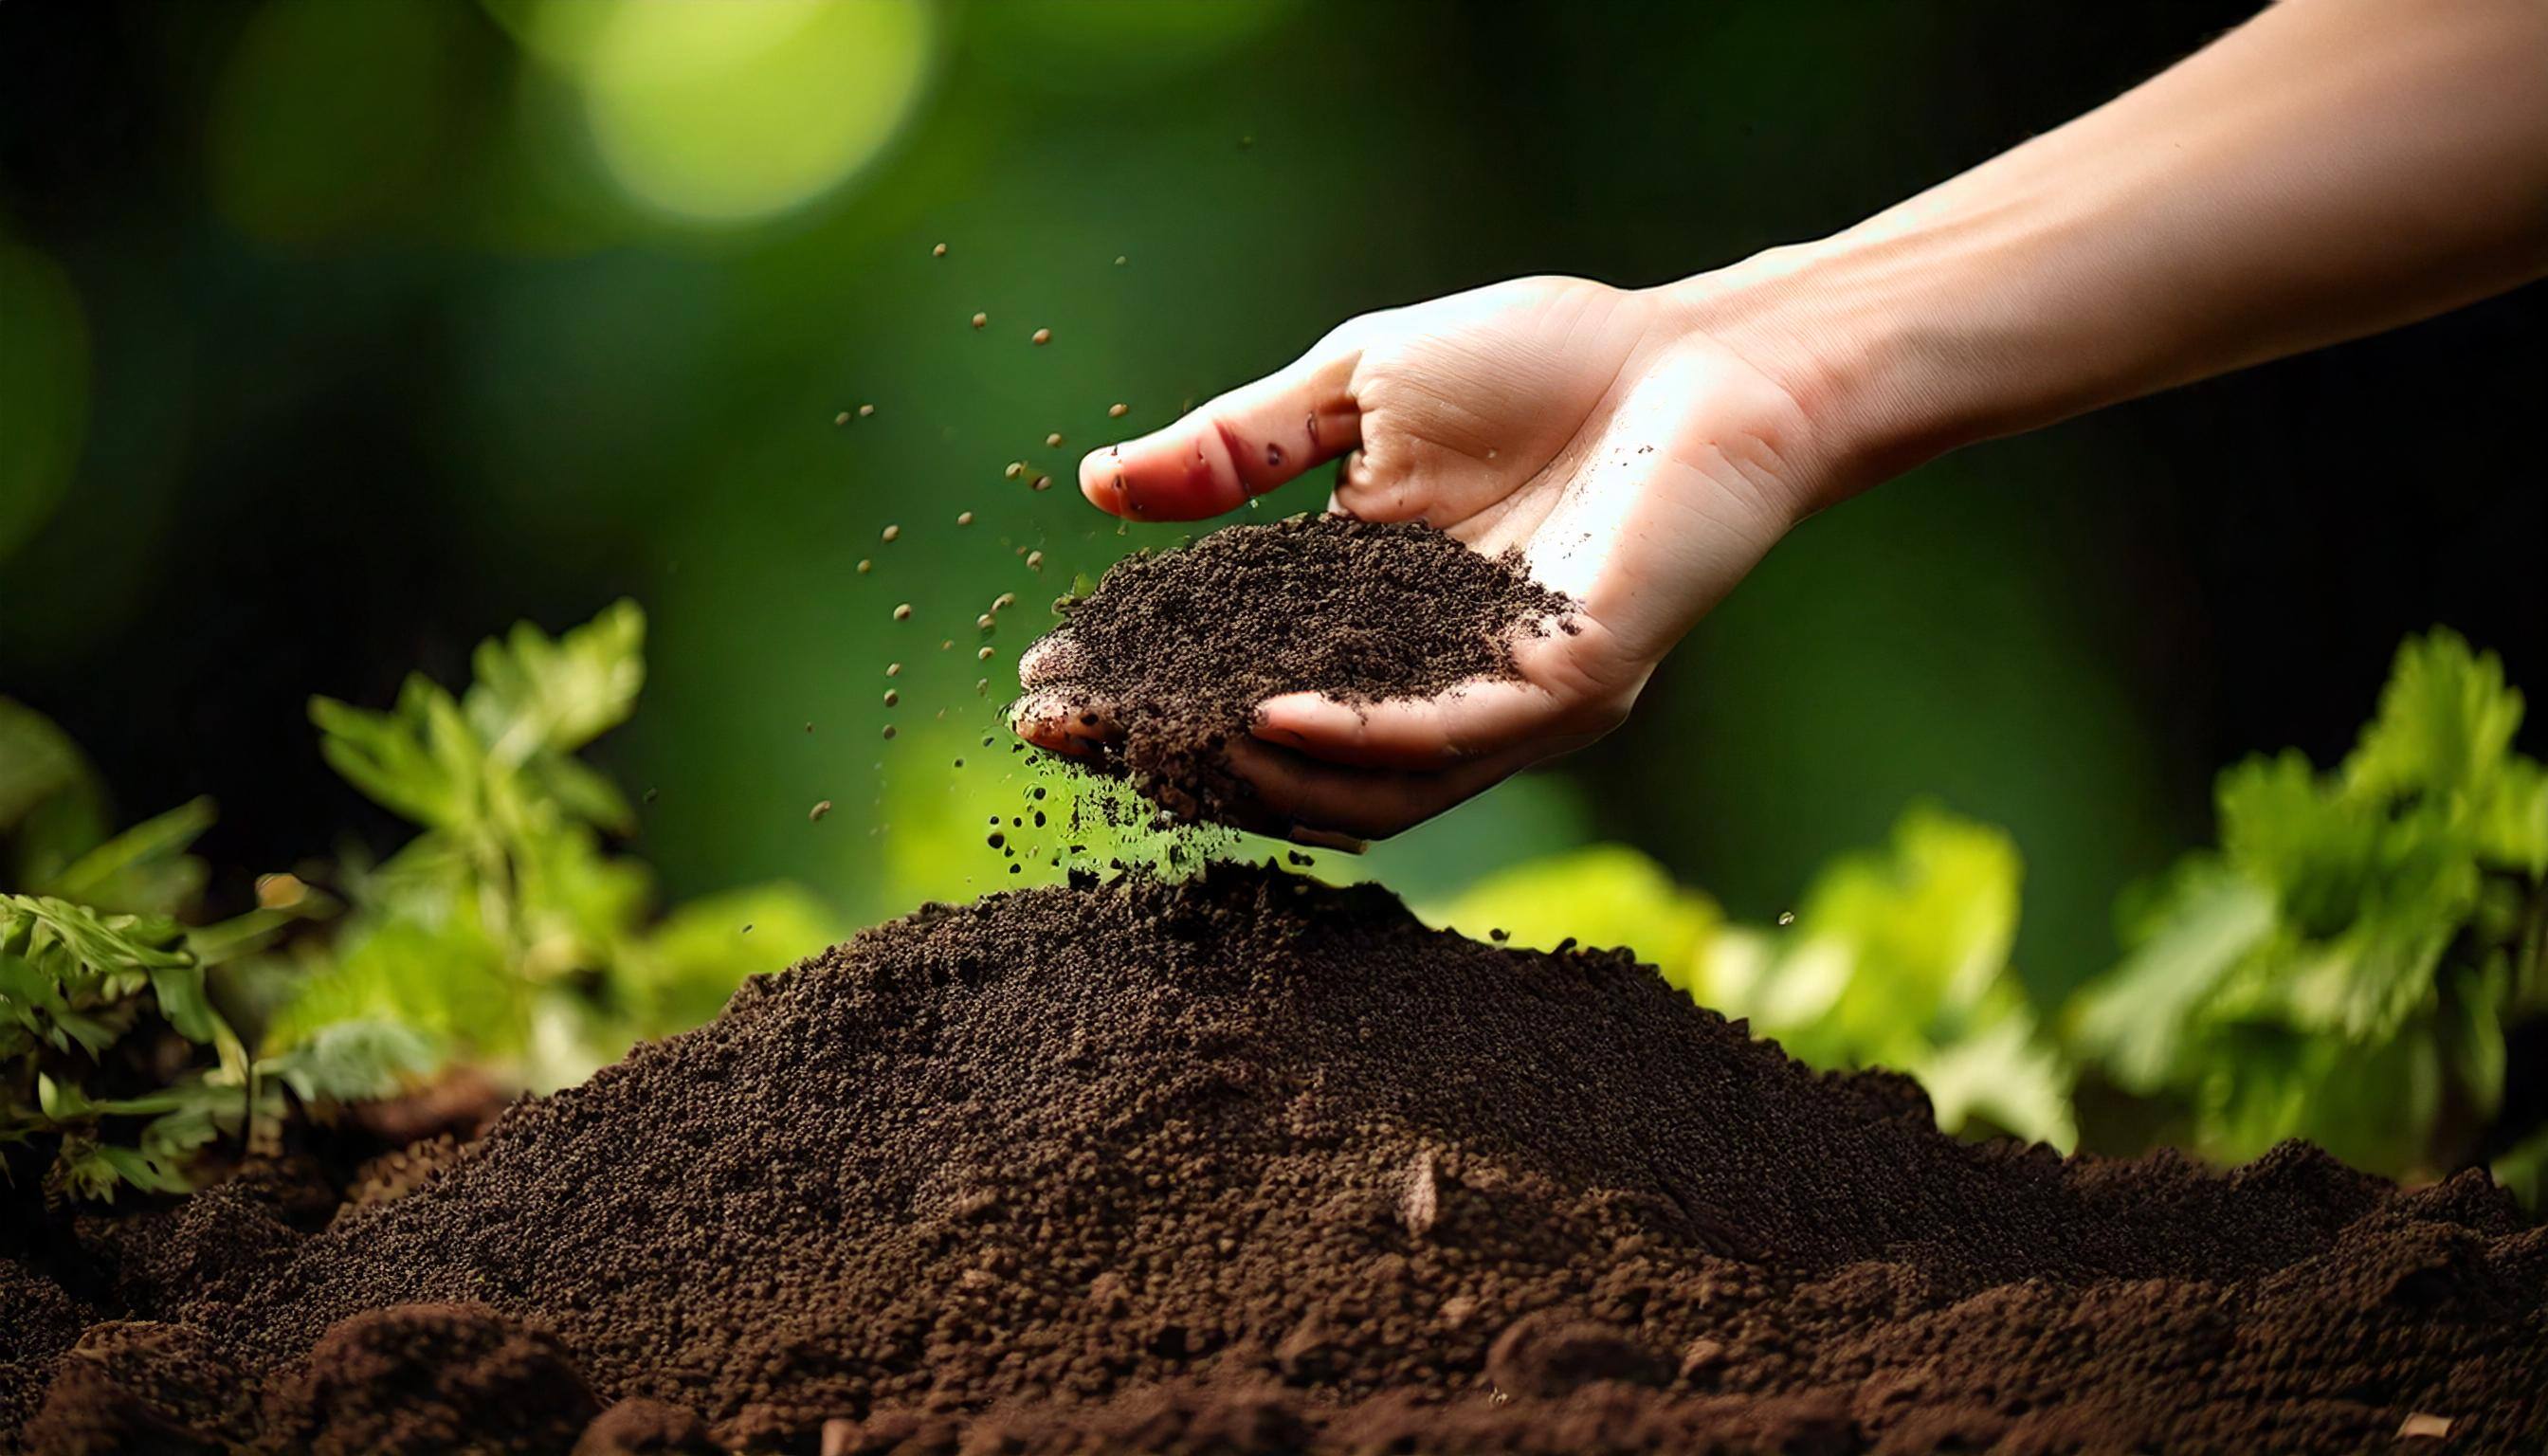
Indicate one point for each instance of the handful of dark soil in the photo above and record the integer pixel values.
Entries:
(1174, 650)
(1252, 1166)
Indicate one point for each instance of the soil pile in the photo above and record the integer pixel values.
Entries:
(1250, 1165)
(1175, 649)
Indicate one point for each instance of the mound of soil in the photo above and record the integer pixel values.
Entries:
(1250, 1165)
(1175, 649)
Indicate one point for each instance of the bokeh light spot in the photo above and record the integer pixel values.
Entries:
(745, 109)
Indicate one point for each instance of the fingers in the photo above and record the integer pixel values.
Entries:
(1061, 722)
(1051, 658)
(1419, 735)
(1302, 792)
(1241, 444)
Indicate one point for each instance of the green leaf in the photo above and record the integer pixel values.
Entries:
(387, 758)
(1899, 956)
(683, 972)
(2358, 946)
(2138, 1018)
(535, 694)
(2512, 819)
(109, 944)
(2317, 850)
(2368, 1104)
(2524, 1169)
(51, 806)
(144, 870)
(354, 1061)
(250, 932)
(2002, 1075)
(182, 1000)
(1598, 896)
(441, 978)
(583, 792)
(2471, 1034)
(2445, 722)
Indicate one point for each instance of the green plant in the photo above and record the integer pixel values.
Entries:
(106, 1016)
(1895, 957)
(104, 1023)
(2343, 967)
(1899, 957)
(83, 995)
(504, 931)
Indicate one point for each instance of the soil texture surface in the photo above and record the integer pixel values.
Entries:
(1248, 1164)
(1165, 661)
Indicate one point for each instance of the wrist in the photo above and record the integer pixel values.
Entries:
(1838, 333)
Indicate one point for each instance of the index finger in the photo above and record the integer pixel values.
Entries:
(1241, 444)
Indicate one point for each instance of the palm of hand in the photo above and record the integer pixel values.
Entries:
(1638, 466)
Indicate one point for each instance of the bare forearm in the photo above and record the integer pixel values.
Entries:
(2332, 168)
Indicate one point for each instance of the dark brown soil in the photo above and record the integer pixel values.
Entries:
(1175, 649)
(1254, 1165)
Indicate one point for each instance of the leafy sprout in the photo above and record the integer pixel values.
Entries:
(504, 930)
(2343, 967)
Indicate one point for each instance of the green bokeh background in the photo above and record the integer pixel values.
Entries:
(338, 336)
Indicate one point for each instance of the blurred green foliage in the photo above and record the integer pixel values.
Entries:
(504, 934)
(504, 931)
(116, 1065)
(2344, 966)
(2343, 969)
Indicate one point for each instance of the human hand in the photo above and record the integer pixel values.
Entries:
(1635, 456)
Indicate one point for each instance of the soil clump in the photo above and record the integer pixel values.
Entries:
(1247, 1163)
(1173, 650)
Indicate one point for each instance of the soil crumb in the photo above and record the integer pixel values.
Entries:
(1175, 649)
(1248, 1164)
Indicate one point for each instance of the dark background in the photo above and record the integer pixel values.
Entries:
(373, 348)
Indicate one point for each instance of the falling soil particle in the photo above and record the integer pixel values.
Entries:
(1251, 1165)
(1174, 651)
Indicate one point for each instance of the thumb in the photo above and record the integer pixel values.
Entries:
(1241, 444)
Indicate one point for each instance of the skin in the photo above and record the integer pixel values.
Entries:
(2332, 168)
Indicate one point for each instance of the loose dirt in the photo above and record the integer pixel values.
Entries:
(1175, 649)
(1250, 1165)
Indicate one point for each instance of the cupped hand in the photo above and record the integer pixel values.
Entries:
(1633, 455)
